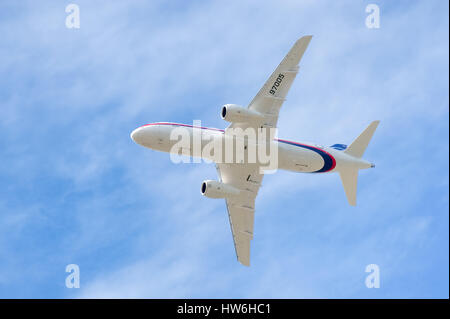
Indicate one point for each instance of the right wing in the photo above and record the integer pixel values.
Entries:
(271, 96)
(241, 209)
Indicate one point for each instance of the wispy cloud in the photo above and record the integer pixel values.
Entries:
(76, 189)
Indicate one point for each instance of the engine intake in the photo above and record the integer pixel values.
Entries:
(215, 189)
(237, 114)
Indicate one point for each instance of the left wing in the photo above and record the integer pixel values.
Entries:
(271, 96)
(241, 209)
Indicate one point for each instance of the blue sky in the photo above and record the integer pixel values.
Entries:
(74, 188)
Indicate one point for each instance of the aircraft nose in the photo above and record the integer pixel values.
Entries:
(137, 135)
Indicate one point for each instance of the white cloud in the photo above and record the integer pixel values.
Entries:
(72, 97)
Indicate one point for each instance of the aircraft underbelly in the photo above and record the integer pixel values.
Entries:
(299, 159)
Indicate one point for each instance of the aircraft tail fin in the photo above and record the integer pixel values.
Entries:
(359, 145)
(349, 178)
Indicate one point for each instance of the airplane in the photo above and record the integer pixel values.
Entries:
(239, 181)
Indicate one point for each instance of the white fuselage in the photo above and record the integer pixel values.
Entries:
(292, 156)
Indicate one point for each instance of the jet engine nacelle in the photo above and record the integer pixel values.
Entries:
(237, 114)
(215, 189)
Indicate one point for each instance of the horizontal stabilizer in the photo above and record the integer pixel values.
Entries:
(359, 145)
(349, 178)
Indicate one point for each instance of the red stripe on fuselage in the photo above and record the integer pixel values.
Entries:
(185, 125)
